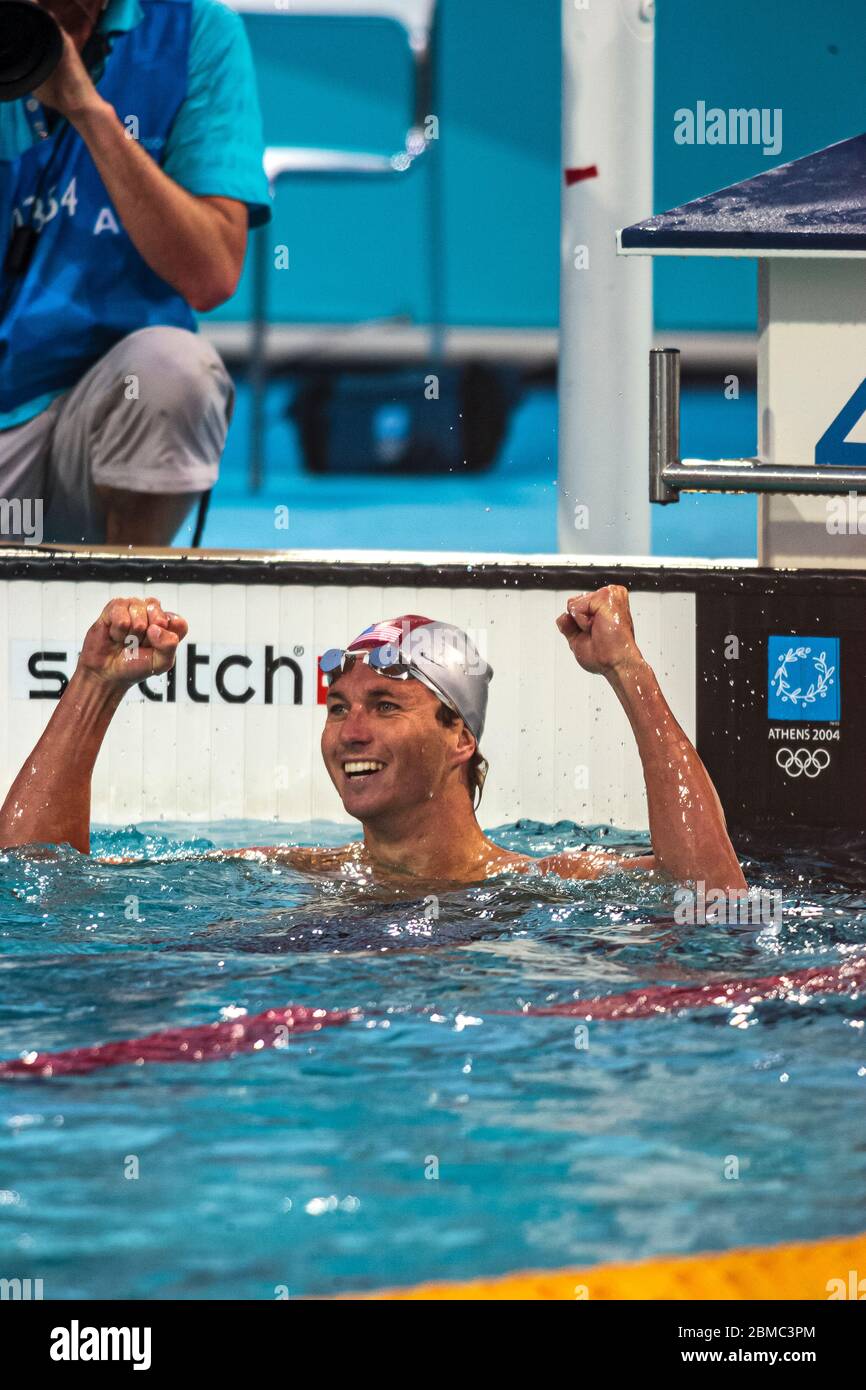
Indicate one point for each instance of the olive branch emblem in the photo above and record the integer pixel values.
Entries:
(818, 687)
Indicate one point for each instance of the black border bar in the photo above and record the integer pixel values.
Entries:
(46, 563)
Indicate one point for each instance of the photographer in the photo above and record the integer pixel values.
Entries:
(128, 180)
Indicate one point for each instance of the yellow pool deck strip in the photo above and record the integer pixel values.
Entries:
(810, 1270)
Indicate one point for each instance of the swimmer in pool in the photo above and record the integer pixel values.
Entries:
(406, 706)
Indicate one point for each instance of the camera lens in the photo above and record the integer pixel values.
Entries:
(30, 47)
(19, 43)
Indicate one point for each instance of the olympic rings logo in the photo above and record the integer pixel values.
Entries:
(799, 762)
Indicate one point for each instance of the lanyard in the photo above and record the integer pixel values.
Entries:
(22, 243)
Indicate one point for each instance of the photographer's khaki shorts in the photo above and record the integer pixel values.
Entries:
(150, 416)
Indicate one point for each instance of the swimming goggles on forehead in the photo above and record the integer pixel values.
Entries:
(387, 660)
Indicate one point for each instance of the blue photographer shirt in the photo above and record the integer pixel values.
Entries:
(180, 76)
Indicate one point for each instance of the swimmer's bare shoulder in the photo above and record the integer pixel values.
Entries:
(307, 859)
(586, 864)
(348, 860)
(572, 864)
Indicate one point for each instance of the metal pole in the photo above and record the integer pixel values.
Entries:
(750, 475)
(664, 438)
(605, 300)
(258, 363)
(427, 97)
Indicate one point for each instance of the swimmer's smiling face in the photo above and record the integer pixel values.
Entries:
(383, 746)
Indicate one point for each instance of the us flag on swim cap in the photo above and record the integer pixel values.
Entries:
(388, 631)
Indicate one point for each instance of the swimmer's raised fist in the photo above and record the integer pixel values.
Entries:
(133, 638)
(599, 630)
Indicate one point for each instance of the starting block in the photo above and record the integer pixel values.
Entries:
(805, 223)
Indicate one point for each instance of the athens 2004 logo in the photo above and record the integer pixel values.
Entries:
(803, 679)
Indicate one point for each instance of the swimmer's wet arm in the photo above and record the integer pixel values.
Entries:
(687, 825)
(49, 801)
(280, 854)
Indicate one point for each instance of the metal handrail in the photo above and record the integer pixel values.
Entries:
(669, 475)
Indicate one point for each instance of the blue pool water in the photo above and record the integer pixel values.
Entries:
(310, 1168)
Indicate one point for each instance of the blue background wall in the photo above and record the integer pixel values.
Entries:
(361, 249)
